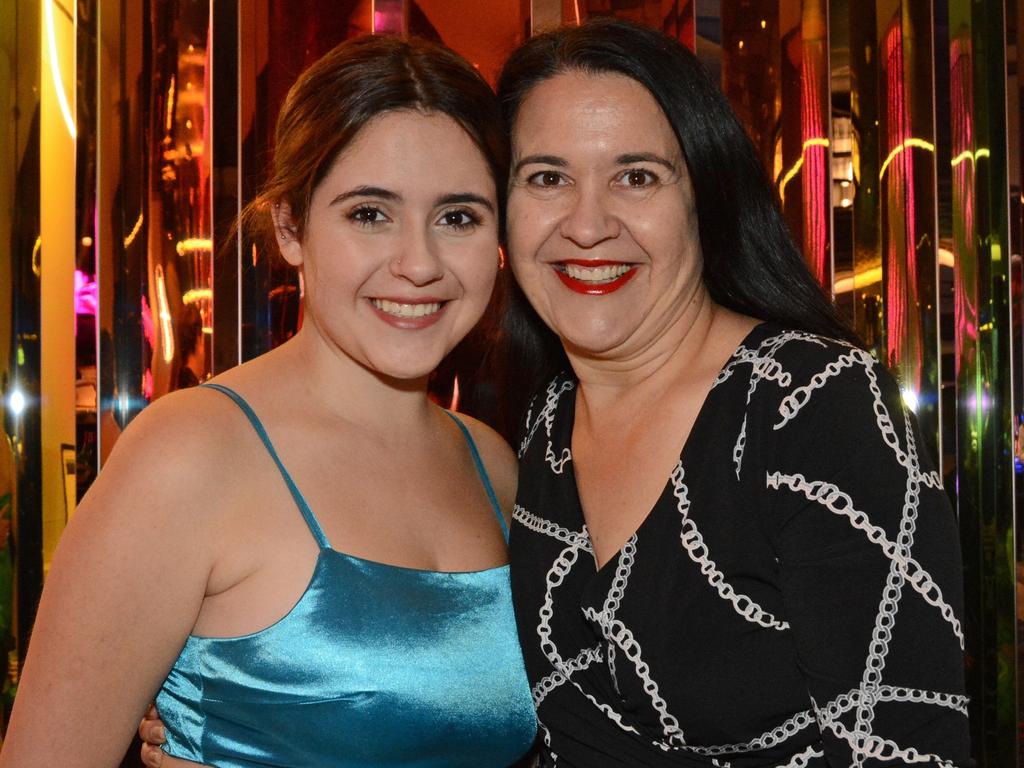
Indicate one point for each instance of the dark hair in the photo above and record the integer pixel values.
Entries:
(354, 82)
(751, 264)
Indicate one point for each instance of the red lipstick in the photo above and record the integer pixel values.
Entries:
(594, 289)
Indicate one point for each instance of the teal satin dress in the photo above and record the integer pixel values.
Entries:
(376, 665)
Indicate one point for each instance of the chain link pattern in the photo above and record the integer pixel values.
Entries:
(904, 569)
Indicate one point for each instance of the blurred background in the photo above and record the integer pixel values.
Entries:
(138, 129)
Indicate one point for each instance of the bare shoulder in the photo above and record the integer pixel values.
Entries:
(499, 460)
(176, 451)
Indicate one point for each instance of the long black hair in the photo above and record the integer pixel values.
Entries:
(751, 264)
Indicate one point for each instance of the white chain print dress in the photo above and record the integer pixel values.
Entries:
(792, 599)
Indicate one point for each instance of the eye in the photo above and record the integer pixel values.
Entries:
(368, 216)
(459, 219)
(638, 178)
(547, 179)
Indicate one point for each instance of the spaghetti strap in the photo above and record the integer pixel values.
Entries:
(300, 502)
(482, 471)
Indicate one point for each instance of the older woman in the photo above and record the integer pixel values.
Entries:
(728, 548)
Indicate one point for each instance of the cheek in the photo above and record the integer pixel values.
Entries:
(529, 220)
(477, 273)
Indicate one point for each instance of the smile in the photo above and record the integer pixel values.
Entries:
(594, 277)
(396, 309)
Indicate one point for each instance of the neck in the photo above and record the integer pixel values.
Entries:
(342, 388)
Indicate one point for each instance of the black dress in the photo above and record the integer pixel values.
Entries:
(793, 598)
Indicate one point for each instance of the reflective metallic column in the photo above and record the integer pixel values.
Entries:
(907, 197)
(984, 488)
(1014, 16)
(279, 44)
(122, 215)
(20, 435)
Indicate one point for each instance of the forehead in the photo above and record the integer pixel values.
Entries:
(575, 110)
(409, 149)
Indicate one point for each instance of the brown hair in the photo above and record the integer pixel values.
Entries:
(353, 83)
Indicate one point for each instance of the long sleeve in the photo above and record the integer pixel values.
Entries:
(869, 566)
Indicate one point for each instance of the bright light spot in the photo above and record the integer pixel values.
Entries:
(87, 241)
(16, 402)
(909, 398)
(741, 45)
(764, 24)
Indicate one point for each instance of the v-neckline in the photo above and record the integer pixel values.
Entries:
(570, 468)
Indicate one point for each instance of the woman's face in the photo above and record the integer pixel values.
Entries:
(400, 249)
(602, 228)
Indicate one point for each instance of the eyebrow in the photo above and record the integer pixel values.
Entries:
(644, 157)
(454, 198)
(366, 191)
(554, 160)
(457, 198)
(627, 159)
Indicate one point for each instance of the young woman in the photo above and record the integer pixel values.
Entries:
(304, 561)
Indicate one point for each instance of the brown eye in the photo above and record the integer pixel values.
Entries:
(459, 219)
(367, 215)
(547, 179)
(638, 178)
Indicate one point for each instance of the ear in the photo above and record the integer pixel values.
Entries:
(286, 233)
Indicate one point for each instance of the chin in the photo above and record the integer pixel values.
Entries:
(404, 370)
(592, 336)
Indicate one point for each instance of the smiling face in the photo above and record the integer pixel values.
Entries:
(602, 228)
(400, 248)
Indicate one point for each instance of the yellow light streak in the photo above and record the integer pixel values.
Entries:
(58, 81)
(135, 231)
(193, 244)
(164, 314)
(170, 106)
(36, 270)
(819, 142)
(968, 155)
(195, 295)
(911, 142)
(858, 280)
(946, 258)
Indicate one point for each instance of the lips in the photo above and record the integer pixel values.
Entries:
(594, 277)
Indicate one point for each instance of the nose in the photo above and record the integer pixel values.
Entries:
(590, 221)
(417, 257)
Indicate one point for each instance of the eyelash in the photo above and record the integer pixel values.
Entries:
(534, 179)
(652, 178)
(470, 218)
(358, 216)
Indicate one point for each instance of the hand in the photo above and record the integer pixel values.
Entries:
(151, 731)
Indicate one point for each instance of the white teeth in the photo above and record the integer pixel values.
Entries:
(406, 310)
(596, 274)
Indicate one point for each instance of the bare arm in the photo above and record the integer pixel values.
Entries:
(126, 584)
